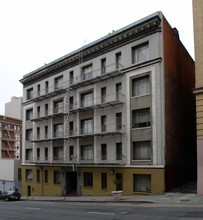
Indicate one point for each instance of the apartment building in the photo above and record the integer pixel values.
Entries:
(120, 107)
(10, 153)
(198, 91)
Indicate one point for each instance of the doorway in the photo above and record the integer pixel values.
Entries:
(71, 183)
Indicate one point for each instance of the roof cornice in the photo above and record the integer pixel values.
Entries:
(111, 41)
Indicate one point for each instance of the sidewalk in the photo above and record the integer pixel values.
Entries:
(168, 198)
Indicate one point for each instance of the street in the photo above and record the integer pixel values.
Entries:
(24, 210)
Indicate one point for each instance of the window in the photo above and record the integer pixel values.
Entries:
(71, 153)
(38, 90)
(118, 151)
(71, 103)
(140, 53)
(103, 94)
(38, 176)
(118, 60)
(28, 173)
(142, 183)
(46, 176)
(87, 126)
(140, 86)
(46, 86)
(87, 152)
(46, 153)
(38, 153)
(104, 180)
(142, 150)
(29, 114)
(46, 131)
(87, 72)
(57, 177)
(118, 121)
(88, 179)
(118, 91)
(119, 177)
(28, 134)
(28, 154)
(19, 174)
(71, 128)
(103, 123)
(38, 111)
(58, 107)
(141, 118)
(87, 99)
(58, 83)
(38, 132)
(58, 130)
(103, 66)
(71, 77)
(103, 152)
(30, 93)
(46, 109)
(58, 153)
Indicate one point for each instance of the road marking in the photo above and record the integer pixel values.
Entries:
(30, 208)
(101, 213)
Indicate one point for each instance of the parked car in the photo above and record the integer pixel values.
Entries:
(3, 195)
(12, 195)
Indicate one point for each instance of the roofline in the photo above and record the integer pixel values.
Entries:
(106, 37)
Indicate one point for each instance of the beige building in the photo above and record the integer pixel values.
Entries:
(113, 109)
(14, 108)
(198, 40)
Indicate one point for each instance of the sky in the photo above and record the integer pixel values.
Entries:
(35, 32)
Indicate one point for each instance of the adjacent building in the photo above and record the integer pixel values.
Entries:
(121, 107)
(13, 108)
(10, 152)
(198, 91)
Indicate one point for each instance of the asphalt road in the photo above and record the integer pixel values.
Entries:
(29, 210)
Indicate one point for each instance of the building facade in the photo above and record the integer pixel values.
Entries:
(10, 153)
(198, 91)
(114, 109)
(14, 108)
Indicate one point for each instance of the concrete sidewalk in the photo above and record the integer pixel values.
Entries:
(168, 198)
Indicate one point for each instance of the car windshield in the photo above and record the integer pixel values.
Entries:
(11, 192)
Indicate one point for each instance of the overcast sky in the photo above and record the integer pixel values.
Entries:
(35, 32)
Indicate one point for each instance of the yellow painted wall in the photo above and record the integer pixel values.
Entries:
(199, 114)
(45, 189)
(157, 181)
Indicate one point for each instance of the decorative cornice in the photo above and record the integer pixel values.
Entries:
(103, 45)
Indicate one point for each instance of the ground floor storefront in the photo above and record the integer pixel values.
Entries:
(83, 181)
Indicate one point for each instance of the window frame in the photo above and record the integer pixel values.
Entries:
(138, 118)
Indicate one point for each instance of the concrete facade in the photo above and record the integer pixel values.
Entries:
(14, 108)
(198, 42)
(99, 114)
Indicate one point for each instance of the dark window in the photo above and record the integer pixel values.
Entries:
(118, 90)
(118, 151)
(71, 153)
(142, 183)
(38, 153)
(46, 87)
(29, 114)
(103, 152)
(28, 175)
(58, 83)
(46, 153)
(57, 177)
(103, 94)
(87, 152)
(38, 90)
(118, 61)
(142, 150)
(28, 134)
(19, 174)
(87, 99)
(58, 130)
(71, 128)
(71, 77)
(58, 107)
(46, 109)
(38, 132)
(38, 176)
(38, 111)
(119, 178)
(103, 123)
(71, 103)
(46, 131)
(87, 126)
(46, 176)
(58, 153)
(141, 118)
(104, 180)
(103, 65)
(28, 154)
(30, 93)
(118, 121)
(88, 179)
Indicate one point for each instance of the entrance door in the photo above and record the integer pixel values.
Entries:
(71, 183)
(28, 190)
